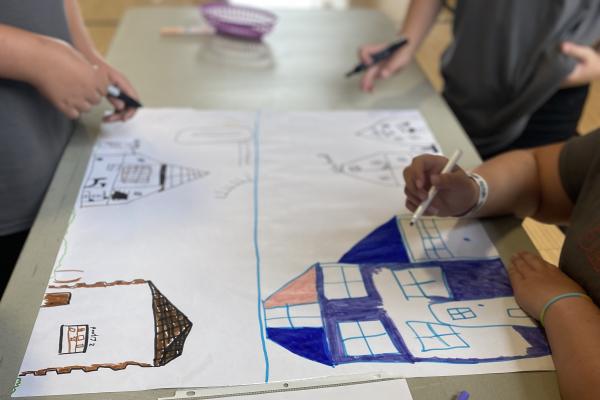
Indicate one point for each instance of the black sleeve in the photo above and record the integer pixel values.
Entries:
(576, 158)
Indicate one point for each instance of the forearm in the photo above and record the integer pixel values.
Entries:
(420, 17)
(79, 34)
(513, 184)
(573, 330)
(20, 53)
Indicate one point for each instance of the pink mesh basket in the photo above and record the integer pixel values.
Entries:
(240, 21)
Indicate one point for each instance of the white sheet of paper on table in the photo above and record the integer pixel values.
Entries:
(211, 219)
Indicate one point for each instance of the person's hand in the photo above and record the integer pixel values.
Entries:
(402, 57)
(536, 281)
(457, 192)
(114, 77)
(587, 68)
(67, 79)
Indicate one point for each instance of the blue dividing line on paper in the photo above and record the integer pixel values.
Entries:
(256, 140)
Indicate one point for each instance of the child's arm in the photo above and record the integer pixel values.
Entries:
(59, 72)
(522, 182)
(83, 42)
(572, 324)
(419, 19)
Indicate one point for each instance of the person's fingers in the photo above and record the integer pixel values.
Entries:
(84, 106)
(410, 188)
(513, 270)
(94, 97)
(515, 276)
(520, 265)
(129, 113)
(118, 104)
(364, 54)
(393, 65)
(411, 205)
(367, 82)
(414, 195)
(534, 261)
(72, 113)
(581, 53)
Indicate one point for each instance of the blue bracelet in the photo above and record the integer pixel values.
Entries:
(557, 298)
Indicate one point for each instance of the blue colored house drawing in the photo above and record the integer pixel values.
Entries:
(375, 305)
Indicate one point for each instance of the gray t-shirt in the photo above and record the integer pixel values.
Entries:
(33, 133)
(580, 175)
(505, 62)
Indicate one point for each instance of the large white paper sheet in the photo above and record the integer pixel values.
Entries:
(226, 248)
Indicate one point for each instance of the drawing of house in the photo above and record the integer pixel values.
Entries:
(376, 305)
(396, 130)
(110, 325)
(119, 175)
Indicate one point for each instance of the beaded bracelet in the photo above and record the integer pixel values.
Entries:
(557, 298)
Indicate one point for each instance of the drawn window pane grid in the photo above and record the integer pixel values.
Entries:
(342, 281)
(434, 336)
(421, 283)
(136, 173)
(458, 313)
(433, 243)
(73, 339)
(294, 316)
(365, 338)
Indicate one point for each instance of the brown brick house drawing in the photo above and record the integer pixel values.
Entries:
(110, 325)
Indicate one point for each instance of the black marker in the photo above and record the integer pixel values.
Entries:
(379, 56)
(114, 91)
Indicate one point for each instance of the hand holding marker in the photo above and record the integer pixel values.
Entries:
(433, 190)
(379, 57)
(114, 91)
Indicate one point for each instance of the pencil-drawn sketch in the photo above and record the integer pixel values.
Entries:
(382, 307)
(235, 183)
(118, 174)
(397, 130)
(228, 134)
(108, 325)
(382, 168)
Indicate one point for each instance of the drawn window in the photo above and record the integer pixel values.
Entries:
(364, 338)
(422, 283)
(457, 313)
(73, 339)
(294, 316)
(433, 243)
(434, 336)
(136, 173)
(343, 281)
(56, 299)
(516, 313)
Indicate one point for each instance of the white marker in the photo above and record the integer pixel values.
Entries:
(433, 190)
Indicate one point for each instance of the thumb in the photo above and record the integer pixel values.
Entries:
(581, 53)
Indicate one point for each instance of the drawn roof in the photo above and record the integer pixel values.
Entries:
(171, 328)
(301, 290)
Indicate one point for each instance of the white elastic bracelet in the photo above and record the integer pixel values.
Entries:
(483, 194)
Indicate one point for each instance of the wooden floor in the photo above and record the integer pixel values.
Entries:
(102, 18)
